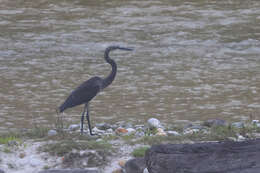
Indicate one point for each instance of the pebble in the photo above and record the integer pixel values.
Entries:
(238, 124)
(161, 132)
(103, 126)
(130, 131)
(22, 155)
(121, 163)
(12, 143)
(153, 123)
(52, 132)
(74, 127)
(241, 138)
(35, 162)
(96, 130)
(121, 130)
(173, 133)
(214, 123)
(255, 121)
(190, 131)
(145, 170)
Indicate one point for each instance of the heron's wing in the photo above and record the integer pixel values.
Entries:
(83, 94)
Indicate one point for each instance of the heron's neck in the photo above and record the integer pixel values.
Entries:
(109, 79)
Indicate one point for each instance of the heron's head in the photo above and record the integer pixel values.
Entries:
(111, 48)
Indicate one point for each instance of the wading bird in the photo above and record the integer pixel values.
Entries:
(90, 88)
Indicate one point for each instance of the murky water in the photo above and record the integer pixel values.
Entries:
(193, 59)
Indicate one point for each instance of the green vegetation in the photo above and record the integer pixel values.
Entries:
(140, 152)
(5, 139)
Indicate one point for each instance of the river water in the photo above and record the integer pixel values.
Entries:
(193, 59)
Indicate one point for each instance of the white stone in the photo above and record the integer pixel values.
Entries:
(130, 131)
(154, 123)
(52, 132)
(173, 133)
(35, 162)
(109, 130)
(190, 131)
(96, 130)
(241, 138)
(74, 127)
(145, 170)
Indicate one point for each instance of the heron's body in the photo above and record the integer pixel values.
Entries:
(90, 88)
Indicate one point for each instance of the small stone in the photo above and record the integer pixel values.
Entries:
(121, 130)
(22, 155)
(12, 143)
(96, 130)
(173, 133)
(35, 162)
(52, 132)
(238, 124)
(161, 132)
(145, 170)
(119, 170)
(241, 138)
(153, 123)
(121, 163)
(257, 125)
(190, 131)
(215, 123)
(103, 126)
(139, 134)
(74, 127)
(130, 131)
(109, 130)
(231, 138)
(255, 121)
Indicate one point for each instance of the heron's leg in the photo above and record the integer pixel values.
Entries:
(87, 116)
(82, 118)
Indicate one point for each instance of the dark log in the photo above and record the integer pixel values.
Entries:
(221, 157)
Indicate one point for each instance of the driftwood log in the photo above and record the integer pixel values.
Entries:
(221, 157)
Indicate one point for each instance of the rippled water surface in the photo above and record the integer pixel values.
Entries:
(193, 59)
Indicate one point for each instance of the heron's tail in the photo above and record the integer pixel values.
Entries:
(62, 108)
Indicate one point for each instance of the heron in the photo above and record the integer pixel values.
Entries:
(85, 92)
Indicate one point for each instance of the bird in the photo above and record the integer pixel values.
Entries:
(85, 92)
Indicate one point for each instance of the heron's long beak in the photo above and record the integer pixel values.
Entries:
(125, 48)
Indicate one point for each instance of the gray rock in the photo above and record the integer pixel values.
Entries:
(136, 165)
(1, 171)
(103, 126)
(173, 133)
(238, 124)
(87, 170)
(74, 127)
(52, 132)
(214, 123)
(153, 123)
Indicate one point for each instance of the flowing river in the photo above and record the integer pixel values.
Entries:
(193, 59)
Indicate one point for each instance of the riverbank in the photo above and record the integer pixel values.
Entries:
(42, 148)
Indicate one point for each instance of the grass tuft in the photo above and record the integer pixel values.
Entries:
(140, 152)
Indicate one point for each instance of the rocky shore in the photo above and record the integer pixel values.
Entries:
(111, 149)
